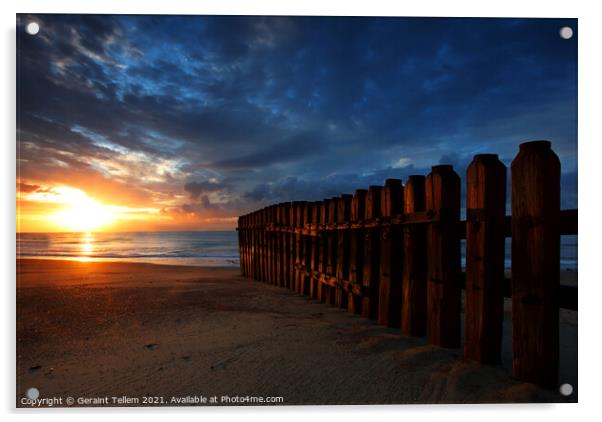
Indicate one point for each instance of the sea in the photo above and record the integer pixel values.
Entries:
(203, 248)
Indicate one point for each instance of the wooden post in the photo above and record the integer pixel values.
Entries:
(293, 244)
(332, 249)
(343, 245)
(240, 242)
(315, 250)
(281, 245)
(300, 248)
(535, 175)
(263, 245)
(356, 250)
(272, 246)
(323, 241)
(286, 248)
(413, 305)
(485, 250)
(268, 245)
(389, 301)
(254, 246)
(443, 245)
(371, 255)
(306, 255)
(275, 245)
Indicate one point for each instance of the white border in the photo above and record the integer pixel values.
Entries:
(590, 71)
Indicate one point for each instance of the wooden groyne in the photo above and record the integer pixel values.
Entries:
(392, 253)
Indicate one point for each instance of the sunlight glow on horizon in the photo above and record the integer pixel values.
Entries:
(78, 212)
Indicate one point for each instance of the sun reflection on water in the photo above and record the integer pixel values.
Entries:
(86, 247)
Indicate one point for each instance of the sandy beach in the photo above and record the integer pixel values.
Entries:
(95, 330)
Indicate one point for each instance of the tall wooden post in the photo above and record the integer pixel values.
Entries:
(300, 246)
(413, 306)
(263, 239)
(316, 213)
(389, 302)
(268, 245)
(323, 240)
(273, 246)
(274, 236)
(278, 246)
(239, 233)
(371, 256)
(535, 175)
(332, 249)
(306, 255)
(485, 250)
(252, 248)
(286, 248)
(342, 269)
(443, 245)
(293, 245)
(356, 250)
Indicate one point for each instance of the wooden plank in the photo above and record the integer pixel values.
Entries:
(255, 246)
(240, 229)
(300, 245)
(323, 241)
(286, 245)
(485, 251)
(316, 214)
(390, 288)
(356, 250)
(443, 263)
(278, 246)
(331, 264)
(413, 306)
(263, 245)
(535, 263)
(343, 237)
(292, 245)
(273, 247)
(371, 276)
(306, 255)
(268, 246)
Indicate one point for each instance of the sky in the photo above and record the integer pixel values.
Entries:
(133, 123)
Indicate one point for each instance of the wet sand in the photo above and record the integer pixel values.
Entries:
(96, 330)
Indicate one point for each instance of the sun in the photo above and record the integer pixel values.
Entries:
(83, 217)
(81, 213)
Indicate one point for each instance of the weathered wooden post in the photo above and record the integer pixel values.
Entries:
(343, 241)
(306, 255)
(316, 212)
(371, 255)
(261, 245)
(286, 248)
(443, 269)
(535, 176)
(413, 306)
(268, 245)
(293, 244)
(332, 248)
(389, 301)
(356, 250)
(246, 245)
(273, 245)
(485, 250)
(263, 242)
(300, 246)
(323, 241)
(277, 246)
(254, 246)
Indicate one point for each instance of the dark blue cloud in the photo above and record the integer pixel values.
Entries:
(262, 109)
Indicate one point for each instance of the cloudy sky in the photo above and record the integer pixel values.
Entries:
(170, 123)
